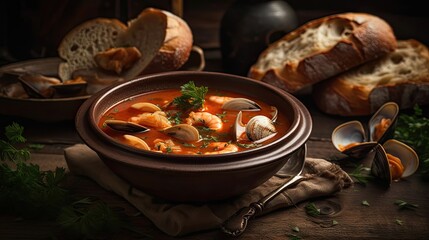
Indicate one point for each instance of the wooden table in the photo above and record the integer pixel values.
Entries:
(354, 220)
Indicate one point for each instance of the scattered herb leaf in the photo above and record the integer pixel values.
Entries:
(294, 237)
(365, 203)
(334, 222)
(361, 174)
(399, 222)
(405, 205)
(312, 210)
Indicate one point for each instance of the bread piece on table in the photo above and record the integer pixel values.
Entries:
(164, 40)
(402, 77)
(323, 48)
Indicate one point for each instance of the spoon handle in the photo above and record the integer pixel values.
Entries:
(237, 223)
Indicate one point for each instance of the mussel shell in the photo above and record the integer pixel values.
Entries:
(37, 85)
(184, 132)
(241, 104)
(361, 150)
(70, 89)
(260, 128)
(124, 126)
(380, 166)
(351, 132)
(390, 111)
(406, 154)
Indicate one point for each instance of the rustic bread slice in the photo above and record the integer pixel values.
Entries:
(401, 76)
(323, 48)
(80, 45)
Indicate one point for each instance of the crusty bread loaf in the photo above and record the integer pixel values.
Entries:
(323, 48)
(176, 48)
(401, 76)
(163, 39)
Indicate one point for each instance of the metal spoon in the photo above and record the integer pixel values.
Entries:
(237, 223)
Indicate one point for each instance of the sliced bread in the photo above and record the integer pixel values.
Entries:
(163, 39)
(401, 76)
(323, 48)
(80, 45)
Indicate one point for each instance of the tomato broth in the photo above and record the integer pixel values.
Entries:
(211, 141)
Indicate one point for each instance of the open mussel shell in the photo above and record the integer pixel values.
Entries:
(260, 128)
(406, 154)
(382, 123)
(37, 85)
(349, 138)
(381, 167)
(184, 132)
(241, 104)
(124, 126)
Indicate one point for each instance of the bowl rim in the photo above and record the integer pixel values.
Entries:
(297, 134)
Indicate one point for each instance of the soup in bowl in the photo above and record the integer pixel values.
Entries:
(194, 136)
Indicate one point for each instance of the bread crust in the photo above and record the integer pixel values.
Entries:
(370, 38)
(177, 46)
(337, 96)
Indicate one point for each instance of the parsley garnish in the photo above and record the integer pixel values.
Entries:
(192, 97)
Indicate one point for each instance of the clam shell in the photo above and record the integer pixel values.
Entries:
(389, 111)
(260, 128)
(136, 142)
(239, 128)
(241, 104)
(146, 107)
(184, 132)
(125, 126)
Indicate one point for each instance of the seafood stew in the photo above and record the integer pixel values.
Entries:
(223, 122)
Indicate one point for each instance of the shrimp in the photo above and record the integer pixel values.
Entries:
(219, 99)
(166, 146)
(221, 147)
(207, 119)
(156, 120)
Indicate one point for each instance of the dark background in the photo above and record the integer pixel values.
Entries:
(34, 28)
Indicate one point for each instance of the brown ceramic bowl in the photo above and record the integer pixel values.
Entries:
(194, 178)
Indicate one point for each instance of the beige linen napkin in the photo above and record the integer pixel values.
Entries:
(322, 178)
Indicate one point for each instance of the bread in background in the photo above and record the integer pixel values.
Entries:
(401, 76)
(163, 39)
(323, 48)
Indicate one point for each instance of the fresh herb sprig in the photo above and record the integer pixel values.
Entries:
(414, 131)
(28, 192)
(192, 97)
